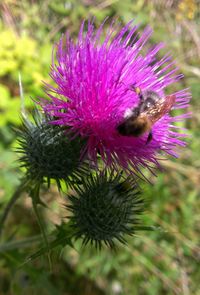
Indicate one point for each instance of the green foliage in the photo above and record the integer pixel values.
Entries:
(20, 54)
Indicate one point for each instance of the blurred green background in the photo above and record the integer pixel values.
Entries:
(153, 263)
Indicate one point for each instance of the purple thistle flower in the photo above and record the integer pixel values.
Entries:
(93, 91)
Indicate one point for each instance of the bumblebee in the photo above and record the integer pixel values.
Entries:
(150, 109)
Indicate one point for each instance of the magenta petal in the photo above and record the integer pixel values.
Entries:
(93, 92)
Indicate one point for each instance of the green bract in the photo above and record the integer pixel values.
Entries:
(104, 209)
(47, 153)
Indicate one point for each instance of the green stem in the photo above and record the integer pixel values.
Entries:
(12, 201)
(35, 198)
(24, 243)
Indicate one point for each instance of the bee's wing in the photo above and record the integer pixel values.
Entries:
(160, 108)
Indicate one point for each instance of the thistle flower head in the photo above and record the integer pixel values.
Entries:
(94, 91)
(105, 209)
(47, 153)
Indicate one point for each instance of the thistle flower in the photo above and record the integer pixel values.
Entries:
(105, 209)
(94, 89)
(47, 154)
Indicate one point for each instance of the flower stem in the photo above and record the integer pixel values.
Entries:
(24, 243)
(35, 199)
(12, 201)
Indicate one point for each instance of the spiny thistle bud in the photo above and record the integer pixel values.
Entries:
(105, 209)
(46, 154)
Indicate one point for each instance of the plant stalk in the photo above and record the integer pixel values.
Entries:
(16, 195)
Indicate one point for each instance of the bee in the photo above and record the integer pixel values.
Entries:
(150, 109)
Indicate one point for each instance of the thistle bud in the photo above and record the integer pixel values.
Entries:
(105, 209)
(47, 153)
